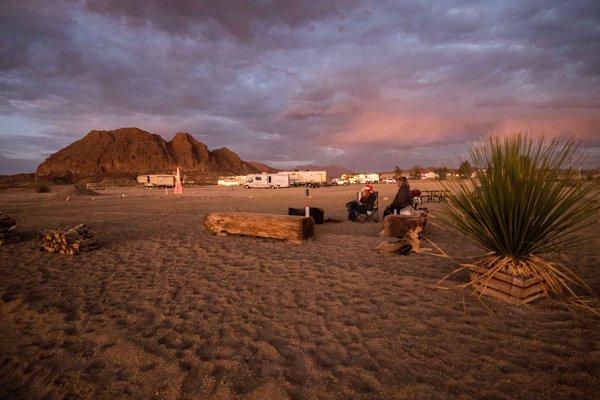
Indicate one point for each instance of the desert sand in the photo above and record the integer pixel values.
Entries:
(164, 310)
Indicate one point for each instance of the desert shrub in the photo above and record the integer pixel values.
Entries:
(42, 188)
(523, 207)
(442, 172)
(465, 169)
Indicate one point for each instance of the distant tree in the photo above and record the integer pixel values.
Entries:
(442, 172)
(465, 169)
(397, 172)
(417, 173)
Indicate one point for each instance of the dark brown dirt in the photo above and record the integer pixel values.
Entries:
(166, 311)
(73, 191)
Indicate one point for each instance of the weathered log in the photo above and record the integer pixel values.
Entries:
(399, 225)
(390, 247)
(408, 227)
(287, 227)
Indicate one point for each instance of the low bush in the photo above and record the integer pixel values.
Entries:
(43, 188)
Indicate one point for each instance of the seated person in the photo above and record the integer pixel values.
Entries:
(365, 202)
(403, 198)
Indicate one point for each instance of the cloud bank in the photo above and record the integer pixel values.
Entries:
(366, 84)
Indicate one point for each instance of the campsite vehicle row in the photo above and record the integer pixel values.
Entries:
(295, 178)
(277, 180)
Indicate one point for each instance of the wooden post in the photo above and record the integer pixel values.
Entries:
(287, 227)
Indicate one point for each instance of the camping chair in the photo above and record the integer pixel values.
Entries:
(371, 214)
(417, 201)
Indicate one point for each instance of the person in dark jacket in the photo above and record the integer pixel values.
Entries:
(403, 198)
(365, 203)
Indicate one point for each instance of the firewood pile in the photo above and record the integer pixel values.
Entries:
(69, 240)
(8, 230)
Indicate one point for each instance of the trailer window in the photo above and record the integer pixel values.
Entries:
(258, 178)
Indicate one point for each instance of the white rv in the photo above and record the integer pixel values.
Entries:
(308, 178)
(368, 178)
(350, 178)
(160, 181)
(235, 180)
(271, 181)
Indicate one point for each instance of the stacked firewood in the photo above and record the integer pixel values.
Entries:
(8, 230)
(69, 240)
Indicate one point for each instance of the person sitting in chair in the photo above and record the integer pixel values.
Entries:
(403, 198)
(365, 202)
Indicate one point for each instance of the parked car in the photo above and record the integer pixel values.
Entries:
(339, 182)
(388, 180)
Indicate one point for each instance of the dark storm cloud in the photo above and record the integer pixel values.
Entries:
(241, 19)
(300, 81)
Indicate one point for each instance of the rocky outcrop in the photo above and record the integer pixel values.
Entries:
(132, 151)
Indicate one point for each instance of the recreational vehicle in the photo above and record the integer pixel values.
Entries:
(350, 178)
(160, 181)
(235, 180)
(306, 178)
(368, 178)
(270, 181)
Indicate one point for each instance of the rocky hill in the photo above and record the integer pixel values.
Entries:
(132, 151)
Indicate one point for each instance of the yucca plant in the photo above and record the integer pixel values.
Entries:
(522, 206)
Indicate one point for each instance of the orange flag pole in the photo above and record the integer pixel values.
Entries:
(178, 185)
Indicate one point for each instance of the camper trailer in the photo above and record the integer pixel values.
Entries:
(350, 178)
(368, 178)
(160, 181)
(306, 178)
(271, 181)
(235, 180)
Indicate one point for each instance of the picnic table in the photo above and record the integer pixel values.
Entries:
(435, 196)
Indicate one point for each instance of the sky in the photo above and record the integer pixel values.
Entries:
(364, 84)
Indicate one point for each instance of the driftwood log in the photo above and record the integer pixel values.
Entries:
(407, 227)
(68, 241)
(287, 227)
(401, 246)
(8, 230)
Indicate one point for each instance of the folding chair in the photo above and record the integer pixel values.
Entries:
(417, 201)
(371, 214)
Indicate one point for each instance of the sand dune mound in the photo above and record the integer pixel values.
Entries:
(76, 190)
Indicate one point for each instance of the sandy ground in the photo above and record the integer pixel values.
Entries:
(165, 310)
